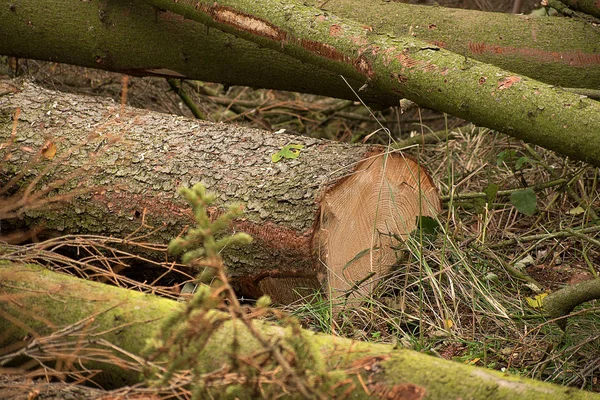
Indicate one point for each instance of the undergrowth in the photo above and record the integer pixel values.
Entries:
(250, 361)
(463, 296)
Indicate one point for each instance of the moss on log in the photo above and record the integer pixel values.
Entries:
(37, 302)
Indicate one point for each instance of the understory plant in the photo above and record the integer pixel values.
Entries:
(251, 362)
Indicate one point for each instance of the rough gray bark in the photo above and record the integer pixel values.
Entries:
(131, 163)
(373, 370)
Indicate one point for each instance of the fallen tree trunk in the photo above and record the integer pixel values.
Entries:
(426, 74)
(37, 302)
(389, 65)
(310, 216)
(138, 39)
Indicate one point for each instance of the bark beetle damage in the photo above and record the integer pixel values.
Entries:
(572, 58)
(507, 82)
(243, 22)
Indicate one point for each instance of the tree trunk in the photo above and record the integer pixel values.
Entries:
(39, 302)
(391, 65)
(302, 212)
(138, 39)
(421, 72)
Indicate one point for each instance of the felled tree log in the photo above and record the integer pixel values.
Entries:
(45, 302)
(136, 38)
(423, 73)
(309, 215)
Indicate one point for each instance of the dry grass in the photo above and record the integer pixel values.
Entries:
(457, 297)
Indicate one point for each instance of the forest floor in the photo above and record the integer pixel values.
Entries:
(455, 295)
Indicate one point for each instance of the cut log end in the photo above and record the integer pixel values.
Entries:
(364, 214)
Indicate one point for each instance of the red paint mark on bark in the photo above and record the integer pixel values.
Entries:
(573, 58)
(336, 30)
(507, 82)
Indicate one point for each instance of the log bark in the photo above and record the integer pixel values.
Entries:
(391, 65)
(519, 43)
(426, 74)
(137, 39)
(45, 302)
(560, 303)
(131, 162)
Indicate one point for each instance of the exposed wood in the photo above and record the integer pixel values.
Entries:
(46, 302)
(130, 163)
(361, 213)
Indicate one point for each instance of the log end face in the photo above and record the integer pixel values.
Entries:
(365, 214)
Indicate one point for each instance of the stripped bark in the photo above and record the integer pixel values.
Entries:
(44, 302)
(131, 162)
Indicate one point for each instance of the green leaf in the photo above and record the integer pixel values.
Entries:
(505, 156)
(520, 162)
(276, 157)
(525, 201)
(576, 211)
(428, 225)
(288, 151)
(491, 191)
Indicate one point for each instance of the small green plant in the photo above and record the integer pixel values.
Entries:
(248, 360)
